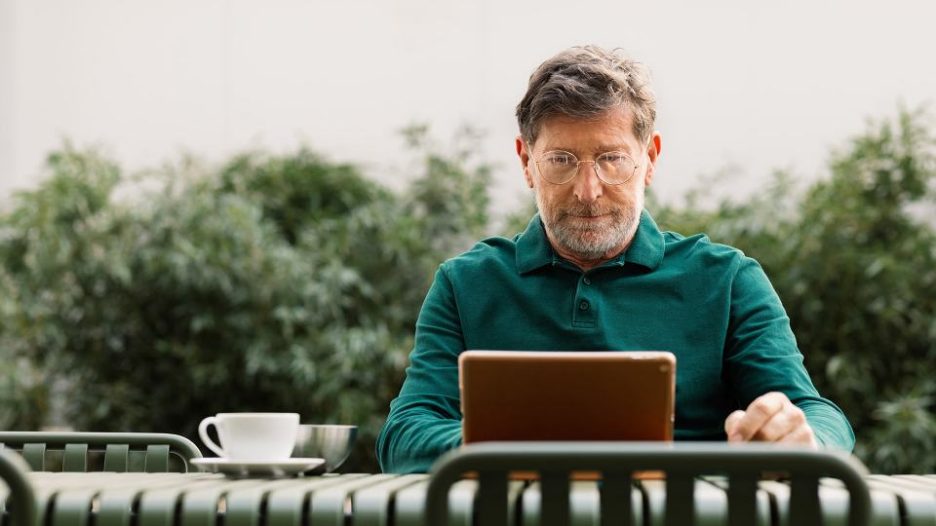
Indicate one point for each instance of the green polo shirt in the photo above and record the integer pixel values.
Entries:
(708, 304)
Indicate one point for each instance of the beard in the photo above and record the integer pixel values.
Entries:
(590, 239)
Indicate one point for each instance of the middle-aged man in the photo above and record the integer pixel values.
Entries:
(592, 271)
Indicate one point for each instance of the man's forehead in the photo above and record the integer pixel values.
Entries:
(612, 130)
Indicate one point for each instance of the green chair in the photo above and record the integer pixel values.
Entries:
(21, 500)
(744, 466)
(118, 452)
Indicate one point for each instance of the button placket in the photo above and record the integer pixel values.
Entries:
(583, 310)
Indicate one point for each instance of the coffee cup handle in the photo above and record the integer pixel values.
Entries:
(203, 433)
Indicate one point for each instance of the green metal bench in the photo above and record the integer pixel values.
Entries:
(117, 452)
(740, 466)
(22, 499)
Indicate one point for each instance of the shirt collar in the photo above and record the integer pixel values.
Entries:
(646, 249)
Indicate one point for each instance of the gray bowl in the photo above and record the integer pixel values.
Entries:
(328, 441)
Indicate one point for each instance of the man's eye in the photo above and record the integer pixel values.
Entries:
(615, 158)
(560, 159)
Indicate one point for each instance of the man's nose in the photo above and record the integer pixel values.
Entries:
(588, 186)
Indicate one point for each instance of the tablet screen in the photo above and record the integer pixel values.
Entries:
(561, 395)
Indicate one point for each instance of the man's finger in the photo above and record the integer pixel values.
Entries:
(802, 435)
(758, 413)
(732, 421)
(781, 424)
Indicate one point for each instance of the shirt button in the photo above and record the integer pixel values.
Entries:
(586, 280)
(584, 305)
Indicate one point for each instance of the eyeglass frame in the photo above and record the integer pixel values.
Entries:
(594, 163)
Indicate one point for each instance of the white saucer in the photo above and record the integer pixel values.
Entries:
(264, 468)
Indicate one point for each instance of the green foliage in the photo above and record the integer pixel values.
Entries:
(22, 385)
(39, 240)
(854, 261)
(277, 283)
(452, 207)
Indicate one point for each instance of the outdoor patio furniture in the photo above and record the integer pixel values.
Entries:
(188, 499)
(22, 499)
(740, 467)
(119, 452)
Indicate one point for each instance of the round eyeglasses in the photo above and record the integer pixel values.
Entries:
(559, 167)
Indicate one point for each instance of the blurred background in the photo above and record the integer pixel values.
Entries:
(235, 204)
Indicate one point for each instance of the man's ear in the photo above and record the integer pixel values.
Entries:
(653, 154)
(524, 156)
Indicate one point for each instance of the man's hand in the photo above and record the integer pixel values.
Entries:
(770, 418)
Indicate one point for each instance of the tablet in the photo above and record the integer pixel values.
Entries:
(553, 395)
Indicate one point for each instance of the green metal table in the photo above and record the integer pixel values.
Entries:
(193, 499)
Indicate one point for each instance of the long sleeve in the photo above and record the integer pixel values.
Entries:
(761, 355)
(425, 419)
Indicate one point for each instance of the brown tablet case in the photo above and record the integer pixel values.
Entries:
(561, 395)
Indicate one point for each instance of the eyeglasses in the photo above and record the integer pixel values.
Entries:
(559, 167)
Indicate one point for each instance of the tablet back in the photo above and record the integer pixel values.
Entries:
(553, 395)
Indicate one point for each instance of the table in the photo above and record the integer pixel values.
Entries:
(193, 499)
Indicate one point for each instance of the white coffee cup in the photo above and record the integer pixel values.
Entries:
(263, 437)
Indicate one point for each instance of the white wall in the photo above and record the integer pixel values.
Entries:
(8, 170)
(757, 85)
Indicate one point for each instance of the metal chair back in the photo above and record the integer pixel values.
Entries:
(117, 452)
(21, 503)
(744, 466)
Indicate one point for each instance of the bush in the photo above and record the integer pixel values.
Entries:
(275, 284)
(854, 260)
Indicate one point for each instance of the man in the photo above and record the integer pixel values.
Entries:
(593, 272)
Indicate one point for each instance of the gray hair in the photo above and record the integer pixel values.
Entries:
(584, 82)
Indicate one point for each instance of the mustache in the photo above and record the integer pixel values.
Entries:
(586, 210)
